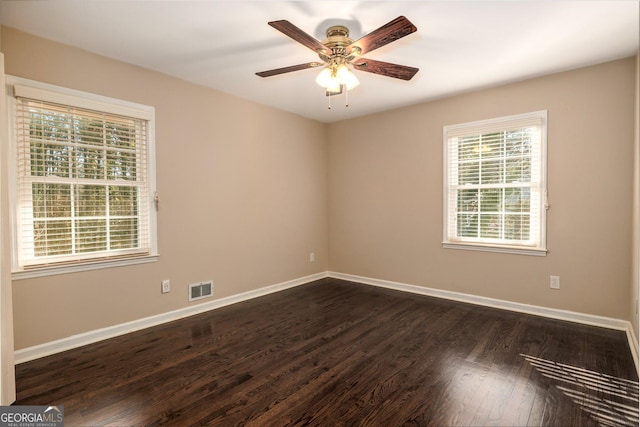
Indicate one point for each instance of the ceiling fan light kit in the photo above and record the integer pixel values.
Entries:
(332, 77)
(339, 53)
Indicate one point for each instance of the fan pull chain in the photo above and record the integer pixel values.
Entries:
(329, 107)
(346, 97)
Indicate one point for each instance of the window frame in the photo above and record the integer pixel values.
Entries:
(60, 95)
(480, 127)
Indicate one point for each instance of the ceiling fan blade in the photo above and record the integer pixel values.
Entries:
(289, 69)
(384, 68)
(384, 35)
(288, 29)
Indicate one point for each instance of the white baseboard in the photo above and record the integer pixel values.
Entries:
(633, 344)
(571, 316)
(74, 341)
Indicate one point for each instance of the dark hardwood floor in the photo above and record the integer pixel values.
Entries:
(335, 353)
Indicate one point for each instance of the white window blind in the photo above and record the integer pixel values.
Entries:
(83, 181)
(495, 186)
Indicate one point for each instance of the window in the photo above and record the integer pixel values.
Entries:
(84, 180)
(494, 184)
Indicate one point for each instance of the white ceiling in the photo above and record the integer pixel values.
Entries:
(459, 45)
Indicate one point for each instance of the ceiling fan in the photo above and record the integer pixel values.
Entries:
(338, 53)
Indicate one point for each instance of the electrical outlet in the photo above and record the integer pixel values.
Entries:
(554, 282)
(166, 286)
(312, 257)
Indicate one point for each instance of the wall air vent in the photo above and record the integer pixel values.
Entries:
(200, 290)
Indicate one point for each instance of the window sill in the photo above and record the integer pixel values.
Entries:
(51, 270)
(516, 250)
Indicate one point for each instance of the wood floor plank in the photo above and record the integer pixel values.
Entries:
(339, 353)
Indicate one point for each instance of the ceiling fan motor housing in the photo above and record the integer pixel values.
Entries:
(337, 41)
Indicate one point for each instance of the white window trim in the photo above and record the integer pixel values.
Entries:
(61, 95)
(487, 126)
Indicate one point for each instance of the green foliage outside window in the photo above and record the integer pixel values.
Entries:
(82, 165)
(495, 169)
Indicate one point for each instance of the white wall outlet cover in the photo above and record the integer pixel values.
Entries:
(166, 286)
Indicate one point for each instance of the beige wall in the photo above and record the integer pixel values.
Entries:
(243, 197)
(7, 371)
(385, 187)
(367, 191)
(635, 253)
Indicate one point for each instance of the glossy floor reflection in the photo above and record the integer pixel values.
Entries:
(611, 401)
